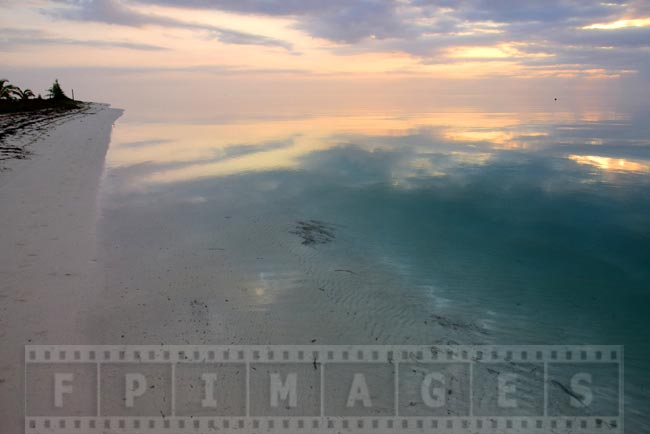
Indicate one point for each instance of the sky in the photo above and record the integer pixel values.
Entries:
(475, 44)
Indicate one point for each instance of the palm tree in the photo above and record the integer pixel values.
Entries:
(24, 94)
(6, 90)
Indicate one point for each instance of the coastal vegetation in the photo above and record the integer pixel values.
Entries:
(13, 99)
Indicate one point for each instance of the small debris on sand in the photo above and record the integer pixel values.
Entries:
(342, 270)
(566, 390)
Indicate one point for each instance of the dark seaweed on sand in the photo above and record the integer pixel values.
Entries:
(32, 123)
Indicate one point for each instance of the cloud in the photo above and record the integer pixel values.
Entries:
(241, 38)
(259, 7)
(550, 33)
(116, 12)
(232, 70)
(518, 11)
(214, 70)
(352, 20)
(356, 20)
(12, 38)
(345, 21)
(426, 29)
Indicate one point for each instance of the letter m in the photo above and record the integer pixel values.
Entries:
(284, 391)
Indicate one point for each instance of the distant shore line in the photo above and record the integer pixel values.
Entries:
(18, 106)
(13, 99)
(22, 112)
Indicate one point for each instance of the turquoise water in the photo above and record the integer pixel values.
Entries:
(463, 227)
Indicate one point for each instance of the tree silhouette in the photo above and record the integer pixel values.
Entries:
(6, 90)
(55, 92)
(24, 94)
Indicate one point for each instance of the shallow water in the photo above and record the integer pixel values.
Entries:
(468, 227)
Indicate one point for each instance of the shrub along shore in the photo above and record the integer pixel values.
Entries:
(14, 99)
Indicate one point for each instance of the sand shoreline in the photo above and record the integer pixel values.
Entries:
(19, 130)
(48, 245)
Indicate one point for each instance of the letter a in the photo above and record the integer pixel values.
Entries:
(359, 392)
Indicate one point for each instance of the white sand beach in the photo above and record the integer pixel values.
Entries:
(47, 246)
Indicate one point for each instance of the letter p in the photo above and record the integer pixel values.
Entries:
(135, 385)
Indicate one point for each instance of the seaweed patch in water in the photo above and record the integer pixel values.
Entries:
(457, 325)
(314, 232)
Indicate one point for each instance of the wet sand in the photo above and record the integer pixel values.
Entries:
(48, 243)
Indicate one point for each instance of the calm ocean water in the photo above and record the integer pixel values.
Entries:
(452, 227)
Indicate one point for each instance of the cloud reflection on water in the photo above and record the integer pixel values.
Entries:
(424, 145)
